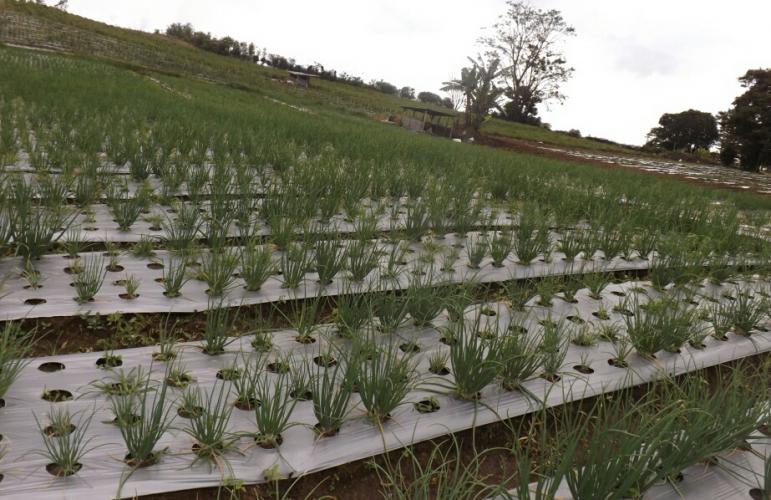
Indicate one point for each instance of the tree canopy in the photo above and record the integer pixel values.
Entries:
(685, 131)
(746, 127)
(430, 98)
(477, 85)
(526, 41)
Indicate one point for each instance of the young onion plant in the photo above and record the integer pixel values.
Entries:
(209, 429)
(475, 356)
(143, 418)
(384, 379)
(89, 281)
(274, 411)
(65, 441)
(15, 345)
(331, 397)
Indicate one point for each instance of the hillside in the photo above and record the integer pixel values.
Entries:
(32, 25)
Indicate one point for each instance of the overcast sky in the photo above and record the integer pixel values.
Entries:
(633, 60)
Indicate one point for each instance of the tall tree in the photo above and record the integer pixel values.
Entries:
(407, 93)
(684, 131)
(526, 41)
(429, 98)
(746, 127)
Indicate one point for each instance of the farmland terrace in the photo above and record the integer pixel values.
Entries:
(216, 284)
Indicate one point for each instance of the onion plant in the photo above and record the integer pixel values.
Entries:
(713, 419)
(218, 270)
(329, 260)
(209, 429)
(218, 327)
(174, 276)
(476, 250)
(501, 245)
(245, 384)
(445, 474)
(256, 265)
(361, 258)
(520, 358)
(274, 411)
(352, 312)
(384, 381)
(15, 346)
(395, 259)
(475, 359)
(662, 324)
(65, 441)
(141, 435)
(391, 308)
(294, 264)
(89, 281)
(424, 301)
(532, 237)
(554, 348)
(747, 311)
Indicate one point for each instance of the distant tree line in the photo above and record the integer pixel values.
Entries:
(744, 132)
(228, 46)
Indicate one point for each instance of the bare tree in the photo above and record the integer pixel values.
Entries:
(526, 40)
(454, 93)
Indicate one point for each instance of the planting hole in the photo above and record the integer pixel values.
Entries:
(52, 431)
(247, 404)
(58, 471)
(194, 412)
(326, 361)
(57, 395)
(51, 367)
(278, 367)
(617, 363)
(428, 405)
(35, 302)
(109, 362)
(409, 347)
(155, 265)
(583, 369)
(228, 374)
(305, 395)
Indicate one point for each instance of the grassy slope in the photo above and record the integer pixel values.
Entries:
(237, 94)
(521, 131)
(88, 38)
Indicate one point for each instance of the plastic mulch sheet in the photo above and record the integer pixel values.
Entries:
(301, 452)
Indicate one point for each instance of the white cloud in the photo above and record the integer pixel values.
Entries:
(633, 61)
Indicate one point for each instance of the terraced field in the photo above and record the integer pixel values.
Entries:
(206, 288)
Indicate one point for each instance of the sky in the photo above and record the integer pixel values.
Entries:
(633, 60)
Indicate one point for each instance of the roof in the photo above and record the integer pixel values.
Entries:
(430, 112)
(300, 73)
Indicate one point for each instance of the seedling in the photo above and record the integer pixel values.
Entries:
(65, 443)
(89, 281)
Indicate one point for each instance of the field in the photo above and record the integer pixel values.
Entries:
(496, 126)
(236, 288)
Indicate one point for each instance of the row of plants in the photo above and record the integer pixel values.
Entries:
(620, 446)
